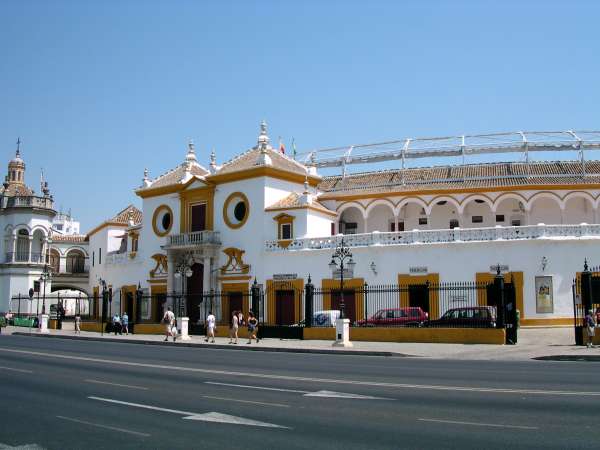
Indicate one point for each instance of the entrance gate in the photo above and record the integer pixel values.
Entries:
(283, 304)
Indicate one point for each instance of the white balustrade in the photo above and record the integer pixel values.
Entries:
(540, 231)
(195, 238)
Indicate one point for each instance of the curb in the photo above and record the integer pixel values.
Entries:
(590, 358)
(219, 346)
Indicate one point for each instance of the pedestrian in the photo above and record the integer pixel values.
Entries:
(252, 327)
(211, 321)
(125, 323)
(168, 320)
(60, 315)
(233, 332)
(117, 324)
(590, 324)
(240, 318)
(78, 324)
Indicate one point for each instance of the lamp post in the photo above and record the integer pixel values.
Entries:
(182, 271)
(103, 284)
(341, 258)
(46, 275)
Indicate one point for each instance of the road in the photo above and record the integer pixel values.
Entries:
(67, 394)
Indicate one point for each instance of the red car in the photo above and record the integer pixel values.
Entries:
(408, 316)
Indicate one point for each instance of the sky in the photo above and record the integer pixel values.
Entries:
(98, 91)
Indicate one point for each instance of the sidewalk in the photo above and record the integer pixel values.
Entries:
(533, 343)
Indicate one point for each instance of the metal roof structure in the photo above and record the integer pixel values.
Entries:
(454, 146)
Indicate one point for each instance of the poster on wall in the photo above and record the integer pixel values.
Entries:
(543, 295)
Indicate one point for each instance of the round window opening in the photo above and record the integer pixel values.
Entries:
(162, 220)
(239, 212)
(166, 221)
(236, 210)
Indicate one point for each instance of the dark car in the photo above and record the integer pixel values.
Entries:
(407, 316)
(467, 317)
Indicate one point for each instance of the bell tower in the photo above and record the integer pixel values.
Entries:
(16, 167)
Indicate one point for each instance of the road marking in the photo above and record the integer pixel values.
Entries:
(204, 417)
(329, 394)
(280, 405)
(12, 369)
(117, 384)
(246, 375)
(479, 424)
(257, 387)
(107, 427)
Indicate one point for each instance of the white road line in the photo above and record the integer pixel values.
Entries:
(117, 384)
(279, 405)
(246, 375)
(479, 424)
(122, 430)
(257, 387)
(203, 417)
(12, 369)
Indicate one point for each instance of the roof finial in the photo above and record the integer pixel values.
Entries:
(191, 154)
(18, 152)
(213, 161)
(306, 183)
(263, 138)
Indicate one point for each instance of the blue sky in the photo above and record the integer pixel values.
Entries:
(99, 90)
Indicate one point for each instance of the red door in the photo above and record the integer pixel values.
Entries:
(198, 222)
(236, 303)
(284, 307)
(194, 293)
(349, 303)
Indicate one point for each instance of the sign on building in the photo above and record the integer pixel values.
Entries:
(284, 276)
(503, 268)
(417, 270)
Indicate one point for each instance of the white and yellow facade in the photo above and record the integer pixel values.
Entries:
(265, 216)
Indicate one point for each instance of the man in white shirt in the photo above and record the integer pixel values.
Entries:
(210, 327)
(168, 320)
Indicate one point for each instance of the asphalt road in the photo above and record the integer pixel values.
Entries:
(66, 394)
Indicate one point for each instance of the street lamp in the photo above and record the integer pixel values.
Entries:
(341, 258)
(46, 275)
(181, 270)
(103, 284)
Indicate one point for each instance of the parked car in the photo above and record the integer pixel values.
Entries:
(407, 316)
(326, 318)
(468, 317)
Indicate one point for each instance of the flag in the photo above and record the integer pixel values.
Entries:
(281, 146)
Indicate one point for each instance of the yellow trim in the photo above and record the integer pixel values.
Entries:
(157, 211)
(193, 197)
(517, 277)
(507, 189)
(329, 284)
(312, 208)
(282, 219)
(408, 280)
(149, 328)
(274, 285)
(170, 189)
(556, 322)
(256, 172)
(156, 289)
(234, 287)
(235, 278)
(106, 224)
(226, 205)
(157, 281)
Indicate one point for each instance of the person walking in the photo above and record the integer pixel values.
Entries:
(78, 324)
(590, 325)
(168, 320)
(240, 318)
(233, 332)
(125, 323)
(211, 321)
(117, 324)
(252, 328)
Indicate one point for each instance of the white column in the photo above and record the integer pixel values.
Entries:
(14, 247)
(30, 246)
(206, 281)
(562, 216)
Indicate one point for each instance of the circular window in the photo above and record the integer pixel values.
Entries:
(162, 220)
(236, 210)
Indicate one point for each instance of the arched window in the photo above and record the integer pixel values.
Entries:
(22, 246)
(75, 262)
(54, 260)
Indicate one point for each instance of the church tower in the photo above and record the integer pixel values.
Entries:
(16, 168)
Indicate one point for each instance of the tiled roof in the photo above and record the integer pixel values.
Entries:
(75, 238)
(123, 216)
(176, 175)
(16, 190)
(293, 201)
(248, 160)
(467, 176)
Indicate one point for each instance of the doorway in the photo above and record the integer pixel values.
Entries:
(418, 296)
(349, 302)
(195, 285)
(285, 308)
